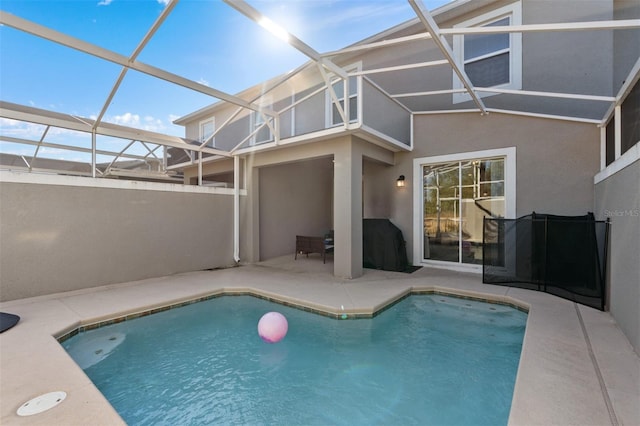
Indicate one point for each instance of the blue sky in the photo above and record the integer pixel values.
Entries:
(203, 40)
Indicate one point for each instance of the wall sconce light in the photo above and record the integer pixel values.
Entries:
(400, 182)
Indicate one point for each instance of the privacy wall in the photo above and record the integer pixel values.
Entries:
(617, 198)
(70, 236)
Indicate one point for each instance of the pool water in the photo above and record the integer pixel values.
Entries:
(427, 360)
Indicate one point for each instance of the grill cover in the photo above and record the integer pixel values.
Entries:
(383, 246)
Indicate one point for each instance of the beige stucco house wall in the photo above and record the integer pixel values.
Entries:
(556, 159)
(617, 198)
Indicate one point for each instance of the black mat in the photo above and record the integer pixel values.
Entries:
(409, 269)
(7, 321)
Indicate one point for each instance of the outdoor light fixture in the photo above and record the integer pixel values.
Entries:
(400, 182)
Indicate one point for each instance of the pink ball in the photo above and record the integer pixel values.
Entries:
(272, 327)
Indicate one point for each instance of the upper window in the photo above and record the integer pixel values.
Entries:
(263, 133)
(338, 87)
(333, 115)
(207, 127)
(486, 57)
(490, 60)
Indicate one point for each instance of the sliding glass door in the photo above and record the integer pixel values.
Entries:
(457, 195)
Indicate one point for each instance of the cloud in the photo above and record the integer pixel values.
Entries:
(34, 132)
(21, 129)
(203, 82)
(153, 122)
(126, 119)
(104, 2)
(164, 2)
(360, 12)
(7, 122)
(147, 122)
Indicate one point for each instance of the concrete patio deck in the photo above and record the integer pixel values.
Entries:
(576, 368)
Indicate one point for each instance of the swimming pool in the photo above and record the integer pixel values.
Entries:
(429, 359)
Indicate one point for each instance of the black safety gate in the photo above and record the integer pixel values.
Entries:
(561, 255)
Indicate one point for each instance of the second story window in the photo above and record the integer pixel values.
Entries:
(338, 87)
(207, 127)
(491, 59)
(486, 57)
(333, 117)
(264, 133)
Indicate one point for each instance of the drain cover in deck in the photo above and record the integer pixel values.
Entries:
(41, 403)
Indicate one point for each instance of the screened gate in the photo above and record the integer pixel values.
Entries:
(561, 255)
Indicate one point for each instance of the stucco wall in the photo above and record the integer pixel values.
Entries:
(289, 195)
(618, 198)
(295, 199)
(378, 184)
(58, 238)
(555, 160)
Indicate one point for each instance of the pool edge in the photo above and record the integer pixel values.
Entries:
(318, 309)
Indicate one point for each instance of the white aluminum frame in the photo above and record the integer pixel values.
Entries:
(512, 11)
(431, 26)
(323, 61)
(510, 195)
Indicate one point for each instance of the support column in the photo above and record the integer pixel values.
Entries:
(236, 209)
(93, 153)
(347, 210)
(252, 185)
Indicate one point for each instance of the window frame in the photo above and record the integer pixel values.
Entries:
(514, 13)
(257, 120)
(329, 102)
(201, 125)
(509, 191)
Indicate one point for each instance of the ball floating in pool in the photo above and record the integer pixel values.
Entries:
(272, 327)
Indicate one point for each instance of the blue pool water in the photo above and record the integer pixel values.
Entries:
(428, 360)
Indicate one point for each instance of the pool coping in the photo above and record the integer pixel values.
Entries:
(342, 314)
(566, 374)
